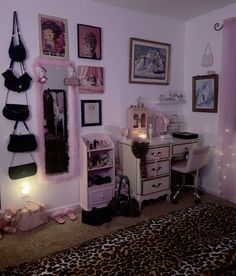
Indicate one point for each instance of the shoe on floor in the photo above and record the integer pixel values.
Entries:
(70, 214)
(57, 217)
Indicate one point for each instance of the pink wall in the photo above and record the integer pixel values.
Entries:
(198, 32)
(118, 26)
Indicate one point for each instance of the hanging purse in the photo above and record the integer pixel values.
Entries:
(207, 58)
(16, 112)
(16, 52)
(23, 170)
(22, 142)
(16, 84)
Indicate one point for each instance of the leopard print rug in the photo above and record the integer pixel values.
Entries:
(200, 240)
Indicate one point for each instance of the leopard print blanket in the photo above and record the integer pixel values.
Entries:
(199, 240)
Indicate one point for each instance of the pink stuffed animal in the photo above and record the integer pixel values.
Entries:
(6, 221)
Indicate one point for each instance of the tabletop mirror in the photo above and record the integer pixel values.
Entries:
(56, 119)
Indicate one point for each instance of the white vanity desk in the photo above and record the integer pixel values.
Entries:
(158, 165)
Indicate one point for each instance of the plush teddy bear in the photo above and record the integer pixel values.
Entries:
(7, 221)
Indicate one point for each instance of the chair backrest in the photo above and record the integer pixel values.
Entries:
(198, 157)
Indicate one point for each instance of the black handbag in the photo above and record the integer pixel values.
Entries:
(16, 84)
(16, 52)
(23, 170)
(22, 142)
(124, 205)
(16, 112)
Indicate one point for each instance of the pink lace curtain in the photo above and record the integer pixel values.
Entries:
(227, 112)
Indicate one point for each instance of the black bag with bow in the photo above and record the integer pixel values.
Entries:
(124, 205)
(16, 84)
(22, 142)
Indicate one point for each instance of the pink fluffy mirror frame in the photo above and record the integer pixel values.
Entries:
(40, 84)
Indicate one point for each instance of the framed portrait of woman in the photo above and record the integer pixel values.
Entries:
(53, 37)
(89, 42)
(205, 93)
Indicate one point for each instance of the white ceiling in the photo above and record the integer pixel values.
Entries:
(180, 9)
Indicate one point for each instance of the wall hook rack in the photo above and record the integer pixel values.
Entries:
(218, 27)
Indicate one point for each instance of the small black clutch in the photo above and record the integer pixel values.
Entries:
(21, 171)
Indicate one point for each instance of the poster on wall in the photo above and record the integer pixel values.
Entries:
(90, 79)
(149, 62)
(89, 42)
(205, 93)
(53, 37)
(91, 113)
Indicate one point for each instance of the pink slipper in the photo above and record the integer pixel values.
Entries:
(56, 216)
(70, 213)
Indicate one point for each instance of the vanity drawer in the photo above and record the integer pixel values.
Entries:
(155, 185)
(161, 153)
(158, 168)
(180, 149)
(101, 196)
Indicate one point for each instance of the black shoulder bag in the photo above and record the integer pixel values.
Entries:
(23, 170)
(16, 52)
(16, 112)
(22, 142)
(124, 205)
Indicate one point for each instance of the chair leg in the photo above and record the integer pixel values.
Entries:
(197, 199)
(174, 200)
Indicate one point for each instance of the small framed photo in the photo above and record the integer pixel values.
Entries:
(205, 93)
(149, 62)
(53, 37)
(90, 79)
(91, 113)
(89, 42)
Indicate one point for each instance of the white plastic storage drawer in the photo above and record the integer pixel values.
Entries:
(101, 196)
(160, 153)
(158, 168)
(180, 149)
(155, 185)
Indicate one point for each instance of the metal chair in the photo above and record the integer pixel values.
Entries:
(198, 158)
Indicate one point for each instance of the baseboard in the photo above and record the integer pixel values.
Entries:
(216, 193)
(61, 208)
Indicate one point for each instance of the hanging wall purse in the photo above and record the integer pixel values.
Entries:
(207, 58)
(16, 52)
(22, 142)
(16, 84)
(23, 170)
(16, 112)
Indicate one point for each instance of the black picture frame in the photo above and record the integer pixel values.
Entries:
(91, 113)
(89, 36)
(205, 93)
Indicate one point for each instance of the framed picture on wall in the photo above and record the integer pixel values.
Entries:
(149, 62)
(90, 79)
(205, 93)
(53, 37)
(91, 113)
(89, 42)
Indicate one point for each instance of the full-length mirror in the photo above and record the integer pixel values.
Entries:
(56, 119)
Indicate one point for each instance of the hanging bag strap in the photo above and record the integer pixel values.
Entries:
(16, 124)
(208, 49)
(15, 25)
(26, 97)
(13, 158)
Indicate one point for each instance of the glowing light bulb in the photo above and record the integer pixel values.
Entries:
(25, 189)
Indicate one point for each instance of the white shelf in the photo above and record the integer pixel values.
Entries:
(169, 102)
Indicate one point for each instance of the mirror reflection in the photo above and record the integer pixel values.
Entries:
(57, 120)
(55, 131)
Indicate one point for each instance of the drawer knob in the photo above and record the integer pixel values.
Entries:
(156, 185)
(156, 169)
